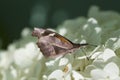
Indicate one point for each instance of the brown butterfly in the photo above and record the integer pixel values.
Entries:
(52, 44)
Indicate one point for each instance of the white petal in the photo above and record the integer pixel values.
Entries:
(56, 75)
(77, 76)
(95, 55)
(116, 45)
(63, 61)
(92, 20)
(31, 50)
(50, 63)
(98, 29)
(13, 72)
(107, 54)
(25, 32)
(62, 31)
(85, 26)
(118, 78)
(112, 70)
(98, 74)
(68, 77)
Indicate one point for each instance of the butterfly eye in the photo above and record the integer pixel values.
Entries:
(35, 33)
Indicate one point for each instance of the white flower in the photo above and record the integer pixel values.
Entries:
(27, 63)
(5, 59)
(58, 63)
(63, 61)
(64, 70)
(106, 55)
(61, 74)
(57, 75)
(62, 31)
(25, 32)
(110, 72)
(113, 43)
(77, 76)
(24, 57)
(92, 20)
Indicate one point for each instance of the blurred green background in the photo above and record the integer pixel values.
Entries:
(18, 14)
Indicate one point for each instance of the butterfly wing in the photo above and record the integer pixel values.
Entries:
(58, 40)
(63, 42)
(53, 44)
(49, 47)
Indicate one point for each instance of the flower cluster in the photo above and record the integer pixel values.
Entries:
(24, 61)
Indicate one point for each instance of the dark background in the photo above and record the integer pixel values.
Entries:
(18, 14)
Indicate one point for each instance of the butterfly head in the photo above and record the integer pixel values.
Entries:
(38, 32)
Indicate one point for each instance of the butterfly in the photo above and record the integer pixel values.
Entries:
(52, 44)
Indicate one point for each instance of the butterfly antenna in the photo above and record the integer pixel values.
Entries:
(85, 44)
